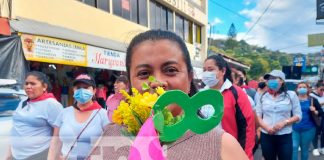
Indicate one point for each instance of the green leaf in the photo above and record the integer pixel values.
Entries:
(145, 86)
(137, 118)
(124, 132)
(152, 79)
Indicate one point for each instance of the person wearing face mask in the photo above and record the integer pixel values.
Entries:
(319, 95)
(277, 109)
(78, 125)
(238, 119)
(304, 131)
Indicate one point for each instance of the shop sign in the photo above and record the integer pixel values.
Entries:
(300, 61)
(183, 6)
(105, 58)
(52, 50)
(320, 9)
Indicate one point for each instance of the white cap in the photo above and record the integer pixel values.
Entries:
(275, 73)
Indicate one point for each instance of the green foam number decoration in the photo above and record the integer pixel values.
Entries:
(191, 120)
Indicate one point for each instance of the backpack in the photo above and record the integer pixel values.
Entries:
(240, 120)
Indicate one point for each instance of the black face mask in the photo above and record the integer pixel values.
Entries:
(262, 85)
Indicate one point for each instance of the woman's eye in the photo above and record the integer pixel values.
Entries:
(170, 70)
(143, 74)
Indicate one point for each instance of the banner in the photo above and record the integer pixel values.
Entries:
(300, 61)
(105, 58)
(51, 50)
(13, 64)
(320, 9)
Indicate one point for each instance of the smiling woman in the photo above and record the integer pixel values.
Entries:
(164, 55)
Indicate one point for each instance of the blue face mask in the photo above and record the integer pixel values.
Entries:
(273, 84)
(302, 91)
(82, 95)
(209, 78)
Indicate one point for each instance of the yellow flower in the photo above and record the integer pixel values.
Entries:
(133, 112)
(159, 90)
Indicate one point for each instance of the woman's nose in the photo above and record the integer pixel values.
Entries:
(158, 83)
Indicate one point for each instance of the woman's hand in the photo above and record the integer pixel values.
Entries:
(313, 109)
(279, 126)
(270, 130)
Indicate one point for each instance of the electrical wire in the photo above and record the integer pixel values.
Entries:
(260, 17)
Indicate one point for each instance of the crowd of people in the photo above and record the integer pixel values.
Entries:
(281, 121)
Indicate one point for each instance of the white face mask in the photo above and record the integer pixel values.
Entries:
(209, 78)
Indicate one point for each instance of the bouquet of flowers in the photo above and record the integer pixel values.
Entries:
(137, 108)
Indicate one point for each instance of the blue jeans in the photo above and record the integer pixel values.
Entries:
(274, 146)
(302, 139)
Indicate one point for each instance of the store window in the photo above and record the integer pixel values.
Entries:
(142, 12)
(160, 17)
(198, 34)
(179, 25)
(170, 20)
(152, 15)
(103, 5)
(190, 32)
(90, 2)
(134, 10)
(122, 8)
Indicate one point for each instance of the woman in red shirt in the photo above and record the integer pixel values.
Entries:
(238, 119)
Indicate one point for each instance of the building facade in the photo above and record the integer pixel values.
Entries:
(111, 24)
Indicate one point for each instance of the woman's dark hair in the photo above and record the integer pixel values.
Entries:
(283, 88)
(221, 63)
(154, 35)
(42, 78)
(261, 85)
(122, 78)
(244, 73)
(319, 84)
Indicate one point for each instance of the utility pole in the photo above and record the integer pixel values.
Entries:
(210, 38)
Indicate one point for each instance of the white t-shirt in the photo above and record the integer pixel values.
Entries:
(319, 99)
(70, 129)
(33, 127)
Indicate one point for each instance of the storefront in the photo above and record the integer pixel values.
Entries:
(63, 60)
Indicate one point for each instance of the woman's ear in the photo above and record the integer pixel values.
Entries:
(223, 71)
(45, 86)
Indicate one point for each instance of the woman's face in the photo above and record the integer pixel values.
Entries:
(34, 87)
(118, 85)
(210, 66)
(162, 59)
(84, 86)
(302, 85)
(280, 82)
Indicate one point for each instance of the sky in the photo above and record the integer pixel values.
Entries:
(284, 26)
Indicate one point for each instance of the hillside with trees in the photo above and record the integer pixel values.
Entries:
(260, 59)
